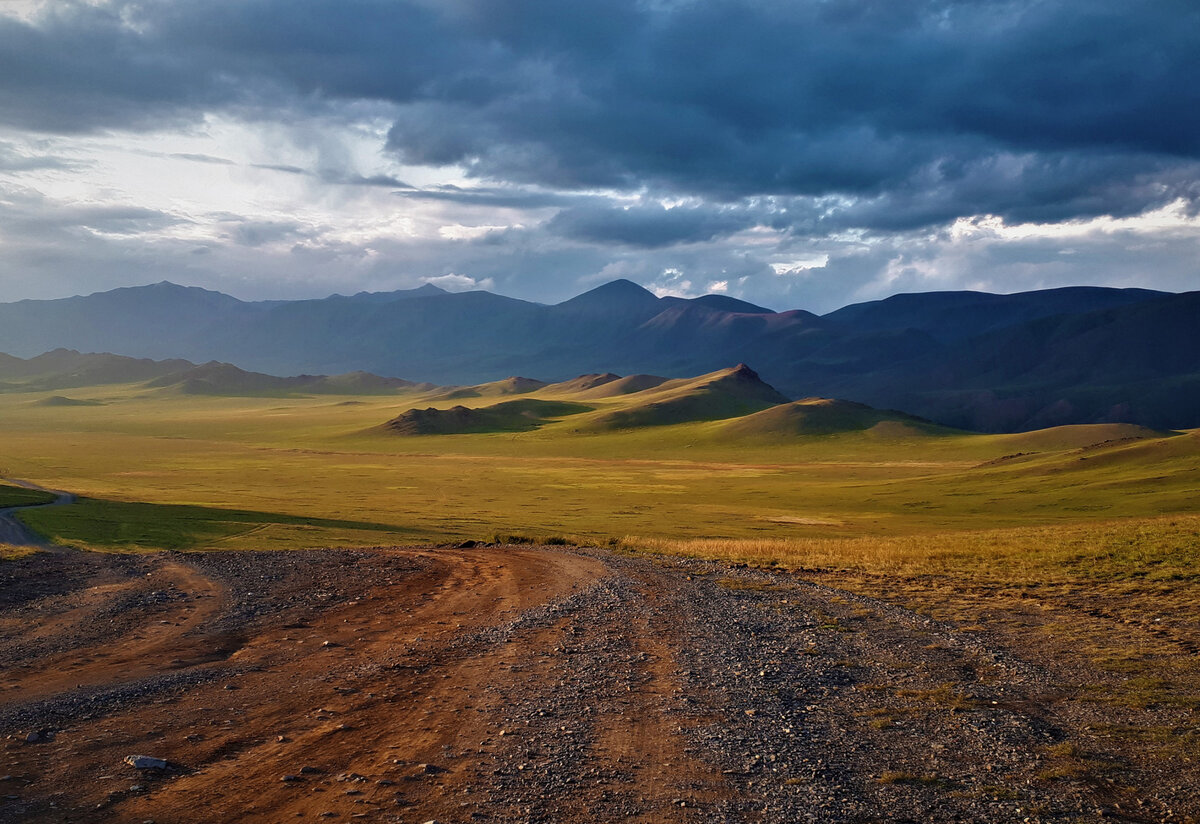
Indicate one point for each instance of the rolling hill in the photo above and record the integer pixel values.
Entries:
(509, 416)
(728, 393)
(963, 359)
(828, 416)
(65, 368)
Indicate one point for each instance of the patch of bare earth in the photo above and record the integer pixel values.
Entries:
(526, 684)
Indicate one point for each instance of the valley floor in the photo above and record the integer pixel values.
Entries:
(557, 685)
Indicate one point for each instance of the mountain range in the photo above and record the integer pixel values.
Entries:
(970, 360)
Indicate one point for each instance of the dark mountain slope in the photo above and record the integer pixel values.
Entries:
(1135, 364)
(953, 316)
(161, 320)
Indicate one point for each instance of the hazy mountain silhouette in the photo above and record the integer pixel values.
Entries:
(965, 359)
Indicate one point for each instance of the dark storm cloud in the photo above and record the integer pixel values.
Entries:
(911, 112)
(654, 226)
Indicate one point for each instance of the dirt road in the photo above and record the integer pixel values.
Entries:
(519, 684)
(13, 532)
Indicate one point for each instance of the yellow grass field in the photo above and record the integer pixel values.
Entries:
(193, 472)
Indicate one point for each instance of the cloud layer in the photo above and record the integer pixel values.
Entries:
(725, 139)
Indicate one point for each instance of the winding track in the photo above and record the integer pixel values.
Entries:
(16, 533)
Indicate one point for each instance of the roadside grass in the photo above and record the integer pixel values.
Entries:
(1162, 550)
(8, 552)
(121, 526)
(19, 496)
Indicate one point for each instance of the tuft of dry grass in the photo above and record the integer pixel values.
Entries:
(9, 552)
(901, 777)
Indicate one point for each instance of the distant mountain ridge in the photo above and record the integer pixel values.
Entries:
(963, 359)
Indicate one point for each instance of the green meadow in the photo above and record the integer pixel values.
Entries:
(156, 468)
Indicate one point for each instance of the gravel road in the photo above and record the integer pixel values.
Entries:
(14, 532)
(520, 684)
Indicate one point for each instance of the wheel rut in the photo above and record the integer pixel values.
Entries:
(509, 684)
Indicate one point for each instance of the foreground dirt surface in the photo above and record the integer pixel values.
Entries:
(533, 684)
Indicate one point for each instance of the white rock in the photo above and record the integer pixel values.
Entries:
(145, 762)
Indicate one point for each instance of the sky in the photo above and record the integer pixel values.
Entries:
(794, 153)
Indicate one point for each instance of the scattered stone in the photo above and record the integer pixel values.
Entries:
(146, 762)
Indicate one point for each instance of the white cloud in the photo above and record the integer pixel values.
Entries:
(460, 283)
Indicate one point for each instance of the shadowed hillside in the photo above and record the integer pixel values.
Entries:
(66, 369)
(510, 416)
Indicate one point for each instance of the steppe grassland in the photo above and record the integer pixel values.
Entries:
(318, 471)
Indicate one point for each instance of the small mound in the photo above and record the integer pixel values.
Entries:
(1076, 437)
(583, 383)
(509, 386)
(510, 416)
(214, 378)
(729, 393)
(828, 416)
(624, 386)
(63, 400)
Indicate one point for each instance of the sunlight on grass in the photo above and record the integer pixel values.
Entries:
(1157, 549)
